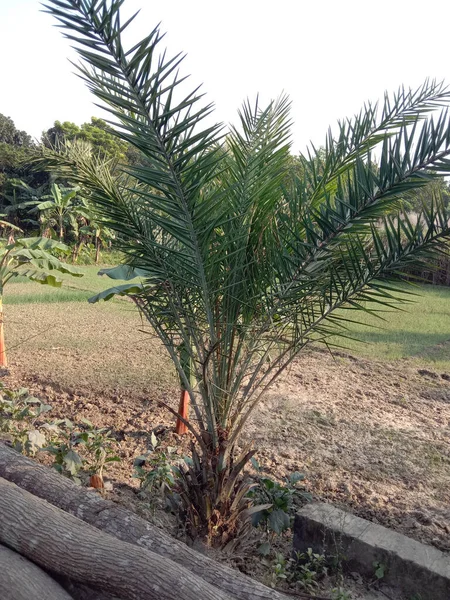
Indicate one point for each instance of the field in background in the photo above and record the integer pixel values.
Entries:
(73, 289)
(421, 330)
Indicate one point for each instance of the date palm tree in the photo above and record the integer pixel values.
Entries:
(245, 260)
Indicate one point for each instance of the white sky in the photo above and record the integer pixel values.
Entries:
(330, 56)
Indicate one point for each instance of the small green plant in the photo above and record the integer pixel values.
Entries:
(278, 569)
(283, 497)
(77, 448)
(99, 447)
(20, 423)
(305, 570)
(154, 470)
(19, 412)
(308, 568)
(380, 570)
(63, 439)
(340, 594)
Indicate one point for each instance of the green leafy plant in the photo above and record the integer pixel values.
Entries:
(282, 498)
(80, 448)
(62, 444)
(154, 469)
(340, 594)
(19, 412)
(99, 447)
(33, 258)
(304, 569)
(278, 569)
(244, 259)
(380, 570)
(308, 569)
(57, 210)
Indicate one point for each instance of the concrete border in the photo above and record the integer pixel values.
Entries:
(412, 568)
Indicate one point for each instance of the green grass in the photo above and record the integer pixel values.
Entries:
(421, 330)
(73, 289)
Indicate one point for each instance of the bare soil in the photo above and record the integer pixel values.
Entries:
(372, 437)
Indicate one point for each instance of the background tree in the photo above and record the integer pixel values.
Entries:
(97, 133)
(241, 269)
(16, 151)
(12, 136)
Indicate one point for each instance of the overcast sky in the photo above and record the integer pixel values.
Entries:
(330, 56)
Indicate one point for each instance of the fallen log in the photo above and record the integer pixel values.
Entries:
(79, 591)
(125, 525)
(20, 579)
(63, 544)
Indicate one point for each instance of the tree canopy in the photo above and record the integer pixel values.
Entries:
(97, 133)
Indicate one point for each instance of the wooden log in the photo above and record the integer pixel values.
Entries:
(125, 525)
(79, 591)
(20, 579)
(63, 544)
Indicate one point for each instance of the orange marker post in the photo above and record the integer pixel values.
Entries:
(183, 410)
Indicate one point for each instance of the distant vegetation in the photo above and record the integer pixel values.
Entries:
(40, 202)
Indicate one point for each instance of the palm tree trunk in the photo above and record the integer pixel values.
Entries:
(183, 410)
(76, 251)
(3, 360)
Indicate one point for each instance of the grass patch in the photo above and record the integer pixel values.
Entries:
(73, 289)
(421, 330)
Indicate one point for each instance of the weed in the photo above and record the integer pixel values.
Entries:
(19, 422)
(19, 412)
(63, 440)
(99, 446)
(283, 497)
(80, 447)
(380, 570)
(154, 470)
(340, 594)
(305, 569)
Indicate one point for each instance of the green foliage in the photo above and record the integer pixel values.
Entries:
(80, 447)
(248, 258)
(16, 147)
(97, 133)
(58, 209)
(9, 134)
(34, 259)
(19, 412)
(154, 470)
(380, 570)
(99, 446)
(62, 442)
(282, 499)
(304, 570)
(22, 424)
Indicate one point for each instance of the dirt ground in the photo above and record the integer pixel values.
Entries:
(372, 437)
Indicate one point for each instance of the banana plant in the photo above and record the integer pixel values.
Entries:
(57, 209)
(33, 259)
